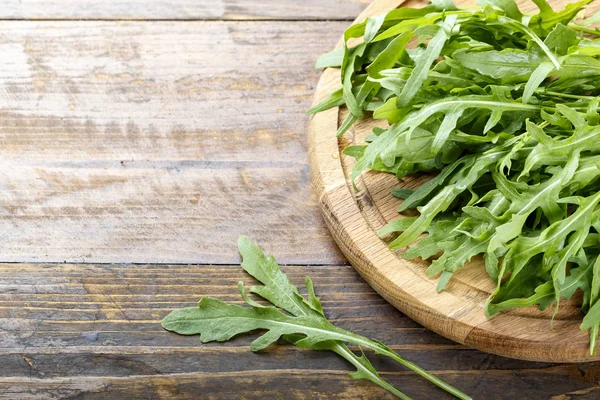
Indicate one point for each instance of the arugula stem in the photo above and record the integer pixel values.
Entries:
(346, 353)
(593, 339)
(590, 31)
(420, 371)
(381, 349)
(529, 32)
(565, 95)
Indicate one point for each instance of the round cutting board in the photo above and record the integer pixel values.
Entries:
(354, 217)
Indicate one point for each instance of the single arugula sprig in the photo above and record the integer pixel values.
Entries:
(303, 323)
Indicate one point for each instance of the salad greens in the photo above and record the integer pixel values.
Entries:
(298, 320)
(501, 108)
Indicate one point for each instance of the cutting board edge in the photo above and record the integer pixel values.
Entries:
(339, 209)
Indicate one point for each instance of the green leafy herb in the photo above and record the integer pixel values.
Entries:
(503, 106)
(298, 320)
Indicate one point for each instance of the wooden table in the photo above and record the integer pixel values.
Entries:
(138, 141)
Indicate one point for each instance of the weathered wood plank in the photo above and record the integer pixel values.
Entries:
(182, 9)
(161, 142)
(93, 331)
(286, 384)
(296, 384)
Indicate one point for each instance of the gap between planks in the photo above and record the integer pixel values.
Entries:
(275, 371)
(133, 264)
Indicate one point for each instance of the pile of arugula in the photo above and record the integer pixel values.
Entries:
(503, 109)
(298, 320)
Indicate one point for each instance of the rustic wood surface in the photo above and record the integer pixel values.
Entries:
(92, 331)
(183, 9)
(158, 141)
(133, 153)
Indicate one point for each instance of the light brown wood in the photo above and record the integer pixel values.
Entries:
(182, 9)
(354, 217)
(158, 142)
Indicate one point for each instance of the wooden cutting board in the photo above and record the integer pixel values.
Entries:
(354, 217)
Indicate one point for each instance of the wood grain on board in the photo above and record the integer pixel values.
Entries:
(355, 217)
(158, 142)
(183, 9)
(92, 331)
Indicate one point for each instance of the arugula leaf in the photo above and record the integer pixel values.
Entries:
(536, 78)
(373, 26)
(305, 326)
(561, 38)
(424, 61)
(388, 57)
(444, 5)
(508, 65)
(334, 58)
(533, 36)
(334, 99)
(548, 18)
(509, 7)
